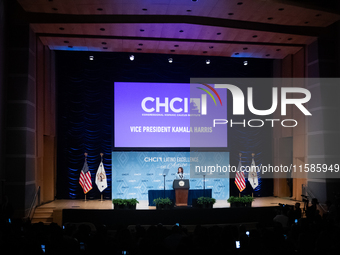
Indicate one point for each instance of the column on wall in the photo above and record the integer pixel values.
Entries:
(323, 129)
(46, 124)
(289, 143)
(20, 160)
(30, 130)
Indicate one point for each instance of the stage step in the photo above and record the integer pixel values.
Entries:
(43, 214)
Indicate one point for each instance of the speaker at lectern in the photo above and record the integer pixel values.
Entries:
(181, 188)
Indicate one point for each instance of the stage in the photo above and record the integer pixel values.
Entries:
(101, 212)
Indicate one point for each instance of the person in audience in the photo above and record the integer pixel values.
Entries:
(294, 213)
(311, 210)
(297, 211)
(282, 218)
(307, 237)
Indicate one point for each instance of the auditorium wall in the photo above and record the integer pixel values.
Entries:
(314, 140)
(46, 122)
(323, 133)
(289, 143)
(30, 126)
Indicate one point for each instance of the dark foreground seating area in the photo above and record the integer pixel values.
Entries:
(311, 235)
(181, 215)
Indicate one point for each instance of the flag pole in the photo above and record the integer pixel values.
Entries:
(239, 193)
(252, 194)
(85, 154)
(101, 193)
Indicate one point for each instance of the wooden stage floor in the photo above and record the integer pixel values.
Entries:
(61, 204)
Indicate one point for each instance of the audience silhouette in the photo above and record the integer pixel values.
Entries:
(310, 235)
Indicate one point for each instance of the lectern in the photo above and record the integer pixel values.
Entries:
(181, 188)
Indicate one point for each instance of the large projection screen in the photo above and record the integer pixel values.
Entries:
(168, 115)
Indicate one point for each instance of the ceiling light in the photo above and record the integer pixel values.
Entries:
(170, 60)
(207, 61)
(91, 58)
(245, 63)
(132, 57)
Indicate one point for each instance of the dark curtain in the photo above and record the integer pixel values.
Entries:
(85, 106)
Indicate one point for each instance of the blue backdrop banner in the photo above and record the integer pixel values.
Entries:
(134, 173)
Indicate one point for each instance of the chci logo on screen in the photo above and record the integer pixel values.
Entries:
(181, 105)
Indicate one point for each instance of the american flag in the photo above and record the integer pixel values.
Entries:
(85, 178)
(240, 180)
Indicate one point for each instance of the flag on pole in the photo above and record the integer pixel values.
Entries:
(85, 178)
(240, 181)
(252, 177)
(101, 180)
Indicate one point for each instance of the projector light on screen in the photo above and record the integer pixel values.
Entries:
(168, 115)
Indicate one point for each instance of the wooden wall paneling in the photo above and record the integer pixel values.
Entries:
(254, 11)
(210, 33)
(49, 168)
(95, 9)
(119, 29)
(180, 9)
(155, 9)
(40, 96)
(299, 64)
(40, 114)
(149, 46)
(48, 114)
(151, 30)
